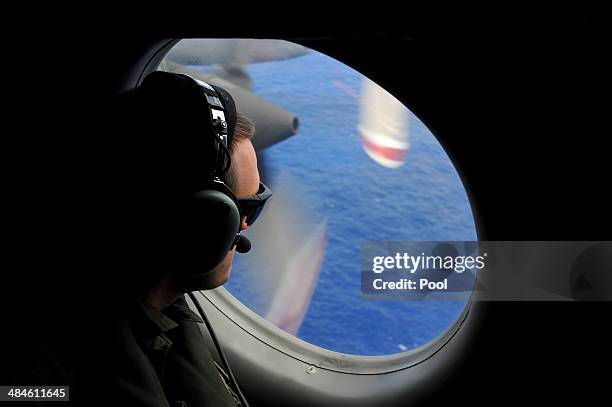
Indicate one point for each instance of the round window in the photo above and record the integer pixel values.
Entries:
(347, 163)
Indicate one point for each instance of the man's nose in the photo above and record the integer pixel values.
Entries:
(243, 224)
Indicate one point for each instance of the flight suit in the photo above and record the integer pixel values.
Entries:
(174, 363)
(128, 353)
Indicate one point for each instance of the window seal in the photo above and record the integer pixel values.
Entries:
(266, 332)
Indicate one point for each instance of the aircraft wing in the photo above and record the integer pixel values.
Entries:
(233, 52)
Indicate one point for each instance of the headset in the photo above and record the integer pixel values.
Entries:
(213, 212)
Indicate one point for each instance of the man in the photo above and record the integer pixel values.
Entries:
(126, 335)
(160, 320)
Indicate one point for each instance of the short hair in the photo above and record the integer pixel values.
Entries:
(244, 130)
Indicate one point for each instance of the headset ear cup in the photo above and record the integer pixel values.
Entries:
(215, 221)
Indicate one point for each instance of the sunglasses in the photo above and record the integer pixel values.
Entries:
(252, 205)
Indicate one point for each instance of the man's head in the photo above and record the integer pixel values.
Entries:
(169, 158)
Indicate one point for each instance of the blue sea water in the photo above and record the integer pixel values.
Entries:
(359, 200)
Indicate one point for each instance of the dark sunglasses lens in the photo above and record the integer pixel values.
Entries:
(254, 214)
(252, 206)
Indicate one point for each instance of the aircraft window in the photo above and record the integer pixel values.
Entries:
(347, 162)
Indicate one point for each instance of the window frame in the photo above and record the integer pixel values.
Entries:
(266, 332)
(255, 325)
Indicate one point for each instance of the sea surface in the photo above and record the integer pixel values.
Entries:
(358, 200)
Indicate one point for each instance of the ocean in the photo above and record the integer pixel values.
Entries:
(358, 200)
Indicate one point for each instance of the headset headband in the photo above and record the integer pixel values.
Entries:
(216, 113)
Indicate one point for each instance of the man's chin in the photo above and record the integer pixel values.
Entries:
(216, 284)
(218, 281)
(222, 281)
(210, 281)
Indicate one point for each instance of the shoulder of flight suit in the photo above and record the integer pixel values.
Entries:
(191, 372)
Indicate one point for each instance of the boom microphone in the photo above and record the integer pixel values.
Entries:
(243, 245)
